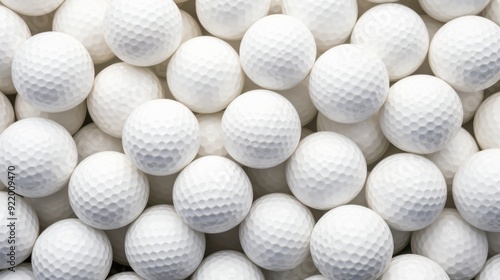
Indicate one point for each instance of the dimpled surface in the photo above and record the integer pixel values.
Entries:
(43, 154)
(126, 276)
(7, 116)
(421, 115)
(493, 243)
(491, 269)
(476, 190)
(53, 71)
(261, 129)
(487, 123)
(25, 230)
(22, 272)
(351, 242)
(446, 10)
(90, 140)
(300, 99)
(118, 90)
(84, 20)
(330, 21)
(459, 248)
(277, 52)
(71, 119)
(70, 249)
(492, 11)
(348, 83)
(52, 208)
(160, 246)
(143, 33)
(229, 19)
(407, 190)
(117, 240)
(453, 154)
(465, 52)
(212, 142)
(227, 265)
(212, 194)
(326, 170)
(161, 137)
(470, 103)
(14, 32)
(205, 74)
(275, 234)
(300, 272)
(366, 134)
(32, 7)
(396, 34)
(414, 267)
(106, 191)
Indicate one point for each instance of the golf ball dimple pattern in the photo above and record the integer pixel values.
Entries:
(470, 102)
(70, 249)
(160, 246)
(53, 72)
(43, 154)
(126, 276)
(205, 74)
(326, 170)
(275, 234)
(421, 115)
(465, 53)
(351, 241)
(106, 191)
(7, 116)
(227, 265)
(277, 52)
(366, 134)
(408, 191)
(32, 7)
(331, 22)
(487, 123)
(491, 269)
(90, 140)
(406, 267)
(84, 20)
(143, 33)
(117, 91)
(212, 194)
(446, 10)
(161, 137)
(22, 272)
(25, 230)
(230, 19)
(459, 248)
(14, 33)
(261, 129)
(349, 83)
(396, 34)
(476, 190)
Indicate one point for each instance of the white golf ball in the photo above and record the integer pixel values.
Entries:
(316, 277)
(459, 248)
(70, 249)
(52, 208)
(349, 83)
(491, 269)
(53, 72)
(464, 53)
(42, 153)
(106, 191)
(212, 142)
(14, 33)
(470, 103)
(84, 20)
(205, 74)
(275, 234)
(421, 115)
(160, 246)
(330, 21)
(143, 33)
(351, 241)
(126, 276)
(396, 34)
(487, 123)
(90, 140)
(212, 194)
(19, 229)
(277, 52)
(476, 190)
(261, 129)
(161, 137)
(7, 116)
(117, 91)
(227, 265)
(326, 170)
(230, 19)
(446, 10)
(412, 266)
(301, 100)
(32, 7)
(22, 272)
